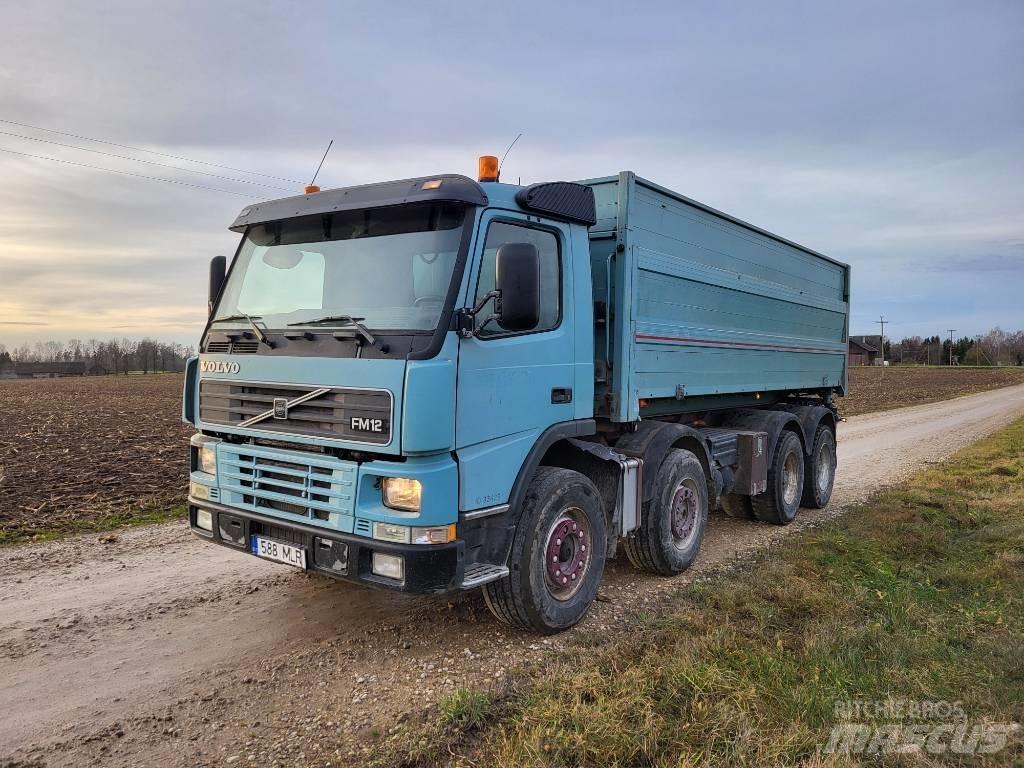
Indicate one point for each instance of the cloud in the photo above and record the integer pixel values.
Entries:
(982, 262)
(853, 129)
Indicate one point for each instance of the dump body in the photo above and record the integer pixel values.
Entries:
(704, 310)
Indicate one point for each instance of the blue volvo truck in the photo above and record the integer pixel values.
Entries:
(441, 384)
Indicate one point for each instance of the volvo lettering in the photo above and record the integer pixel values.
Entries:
(219, 366)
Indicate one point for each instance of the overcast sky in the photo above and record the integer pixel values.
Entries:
(887, 135)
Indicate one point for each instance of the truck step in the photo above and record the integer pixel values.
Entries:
(483, 573)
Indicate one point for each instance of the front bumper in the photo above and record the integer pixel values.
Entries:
(429, 569)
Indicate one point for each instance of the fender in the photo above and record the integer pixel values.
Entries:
(763, 420)
(490, 538)
(599, 463)
(653, 439)
(811, 416)
(547, 438)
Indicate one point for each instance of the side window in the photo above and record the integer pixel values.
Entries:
(499, 233)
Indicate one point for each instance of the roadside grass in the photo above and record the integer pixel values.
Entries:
(917, 595)
(466, 707)
(74, 526)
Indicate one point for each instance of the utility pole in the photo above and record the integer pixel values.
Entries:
(881, 322)
(951, 331)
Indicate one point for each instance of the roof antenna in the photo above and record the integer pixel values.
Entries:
(506, 153)
(312, 187)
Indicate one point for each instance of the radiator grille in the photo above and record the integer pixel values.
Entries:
(341, 414)
(320, 490)
(232, 347)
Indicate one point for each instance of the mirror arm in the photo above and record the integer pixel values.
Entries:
(467, 317)
(496, 295)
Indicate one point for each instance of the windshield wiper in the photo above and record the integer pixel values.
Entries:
(343, 320)
(252, 321)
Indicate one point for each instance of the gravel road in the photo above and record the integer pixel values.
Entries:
(149, 647)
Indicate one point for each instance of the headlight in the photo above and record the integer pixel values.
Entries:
(206, 454)
(197, 491)
(402, 493)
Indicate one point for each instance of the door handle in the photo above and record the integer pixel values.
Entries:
(561, 395)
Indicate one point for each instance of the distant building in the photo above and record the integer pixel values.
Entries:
(7, 371)
(43, 370)
(865, 350)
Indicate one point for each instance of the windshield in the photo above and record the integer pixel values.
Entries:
(389, 268)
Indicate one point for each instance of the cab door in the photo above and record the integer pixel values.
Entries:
(513, 386)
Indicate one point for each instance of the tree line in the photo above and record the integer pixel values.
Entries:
(117, 356)
(997, 347)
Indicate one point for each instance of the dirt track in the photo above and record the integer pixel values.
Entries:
(157, 649)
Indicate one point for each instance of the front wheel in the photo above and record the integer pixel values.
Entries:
(557, 556)
(672, 525)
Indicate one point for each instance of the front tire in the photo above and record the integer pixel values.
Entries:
(780, 503)
(557, 557)
(673, 522)
(820, 470)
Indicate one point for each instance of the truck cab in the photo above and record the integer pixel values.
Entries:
(372, 412)
(396, 386)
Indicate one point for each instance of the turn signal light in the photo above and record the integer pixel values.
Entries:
(311, 189)
(488, 168)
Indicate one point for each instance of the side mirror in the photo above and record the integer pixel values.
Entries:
(218, 267)
(517, 278)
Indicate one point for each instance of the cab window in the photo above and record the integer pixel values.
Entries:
(499, 233)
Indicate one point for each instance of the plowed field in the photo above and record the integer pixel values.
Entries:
(79, 451)
(878, 389)
(90, 453)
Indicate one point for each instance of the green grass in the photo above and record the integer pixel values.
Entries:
(108, 523)
(465, 707)
(917, 595)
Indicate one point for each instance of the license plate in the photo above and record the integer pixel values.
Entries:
(279, 552)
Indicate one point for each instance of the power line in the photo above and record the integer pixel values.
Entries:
(127, 173)
(140, 160)
(151, 151)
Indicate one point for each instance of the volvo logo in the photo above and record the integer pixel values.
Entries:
(280, 407)
(218, 366)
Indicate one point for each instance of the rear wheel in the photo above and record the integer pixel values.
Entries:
(780, 503)
(820, 469)
(672, 525)
(557, 556)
